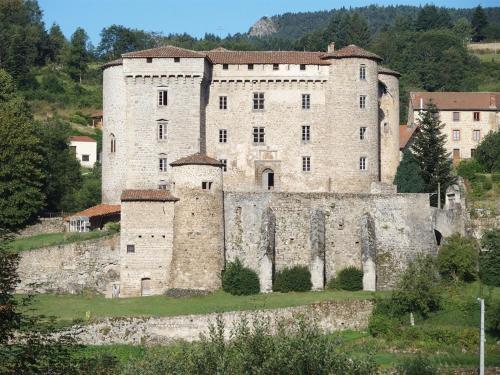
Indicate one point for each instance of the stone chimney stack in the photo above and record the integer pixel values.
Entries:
(331, 47)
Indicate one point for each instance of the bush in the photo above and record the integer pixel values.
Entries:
(495, 177)
(457, 258)
(381, 325)
(488, 152)
(489, 259)
(350, 278)
(77, 118)
(493, 317)
(112, 227)
(238, 280)
(295, 279)
(487, 185)
(468, 169)
(417, 365)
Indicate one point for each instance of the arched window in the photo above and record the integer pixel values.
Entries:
(162, 129)
(112, 143)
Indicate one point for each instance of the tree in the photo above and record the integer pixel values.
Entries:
(488, 152)
(358, 31)
(57, 42)
(457, 258)
(479, 23)
(463, 29)
(21, 176)
(408, 179)
(78, 56)
(429, 151)
(430, 17)
(10, 319)
(489, 259)
(116, 40)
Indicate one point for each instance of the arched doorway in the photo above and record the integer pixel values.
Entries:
(146, 286)
(268, 179)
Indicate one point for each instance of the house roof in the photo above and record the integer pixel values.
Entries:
(97, 114)
(98, 211)
(112, 63)
(405, 134)
(197, 159)
(465, 101)
(81, 138)
(147, 196)
(352, 50)
(266, 57)
(384, 70)
(165, 51)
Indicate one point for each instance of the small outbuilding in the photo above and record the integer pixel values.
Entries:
(93, 218)
(97, 119)
(85, 149)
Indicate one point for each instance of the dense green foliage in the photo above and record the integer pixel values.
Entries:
(117, 39)
(239, 280)
(350, 278)
(488, 152)
(479, 23)
(87, 193)
(430, 152)
(418, 365)
(489, 258)
(9, 317)
(458, 258)
(294, 279)
(408, 179)
(469, 168)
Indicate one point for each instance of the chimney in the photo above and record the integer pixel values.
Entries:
(493, 101)
(331, 47)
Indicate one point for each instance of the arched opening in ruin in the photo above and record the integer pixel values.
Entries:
(145, 286)
(439, 237)
(268, 179)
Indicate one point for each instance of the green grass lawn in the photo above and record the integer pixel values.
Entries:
(52, 239)
(489, 57)
(67, 308)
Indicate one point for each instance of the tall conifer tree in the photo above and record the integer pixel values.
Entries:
(408, 179)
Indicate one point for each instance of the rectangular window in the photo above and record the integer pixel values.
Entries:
(225, 66)
(306, 163)
(476, 135)
(306, 133)
(224, 164)
(276, 66)
(456, 135)
(477, 116)
(362, 72)
(472, 152)
(302, 66)
(258, 100)
(456, 116)
(306, 101)
(149, 60)
(130, 248)
(162, 185)
(85, 157)
(362, 101)
(162, 131)
(222, 135)
(177, 59)
(362, 163)
(163, 164)
(362, 133)
(250, 66)
(206, 185)
(222, 102)
(162, 97)
(258, 135)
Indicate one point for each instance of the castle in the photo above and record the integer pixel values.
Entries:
(276, 158)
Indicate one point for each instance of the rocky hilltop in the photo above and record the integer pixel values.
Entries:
(263, 27)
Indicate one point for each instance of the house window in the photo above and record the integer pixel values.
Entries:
(130, 248)
(306, 101)
(276, 66)
(225, 66)
(112, 144)
(163, 163)
(302, 66)
(472, 152)
(456, 116)
(362, 101)
(162, 185)
(306, 163)
(477, 116)
(206, 185)
(456, 135)
(258, 135)
(224, 164)
(306, 133)
(222, 102)
(362, 133)
(222, 135)
(162, 130)
(476, 135)
(250, 66)
(149, 60)
(177, 59)
(85, 157)
(362, 163)
(162, 97)
(258, 100)
(362, 72)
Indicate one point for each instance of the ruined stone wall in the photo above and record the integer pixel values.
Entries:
(43, 226)
(327, 232)
(70, 268)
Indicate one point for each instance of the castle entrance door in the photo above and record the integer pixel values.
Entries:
(146, 287)
(268, 179)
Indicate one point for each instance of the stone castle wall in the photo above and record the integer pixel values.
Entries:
(43, 226)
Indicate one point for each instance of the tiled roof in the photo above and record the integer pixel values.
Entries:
(384, 70)
(266, 57)
(165, 51)
(405, 134)
(352, 51)
(99, 210)
(81, 138)
(465, 101)
(112, 63)
(197, 159)
(97, 113)
(147, 196)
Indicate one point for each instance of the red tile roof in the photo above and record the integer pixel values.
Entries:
(352, 51)
(99, 210)
(165, 51)
(147, 196)
(197, 159)
(97, 114)
(405, 134)
(81, 138)
(266, 57)
(384, 70)
(112, 63)
(465, 101)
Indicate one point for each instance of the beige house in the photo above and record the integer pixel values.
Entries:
(85, 149)
(468, 117)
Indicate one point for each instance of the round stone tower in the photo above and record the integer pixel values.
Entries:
(198, 251)
(352, 112)
(114, 156)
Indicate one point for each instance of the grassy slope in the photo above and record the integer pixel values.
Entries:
(52, 239)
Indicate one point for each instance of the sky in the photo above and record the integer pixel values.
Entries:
(195, 17)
